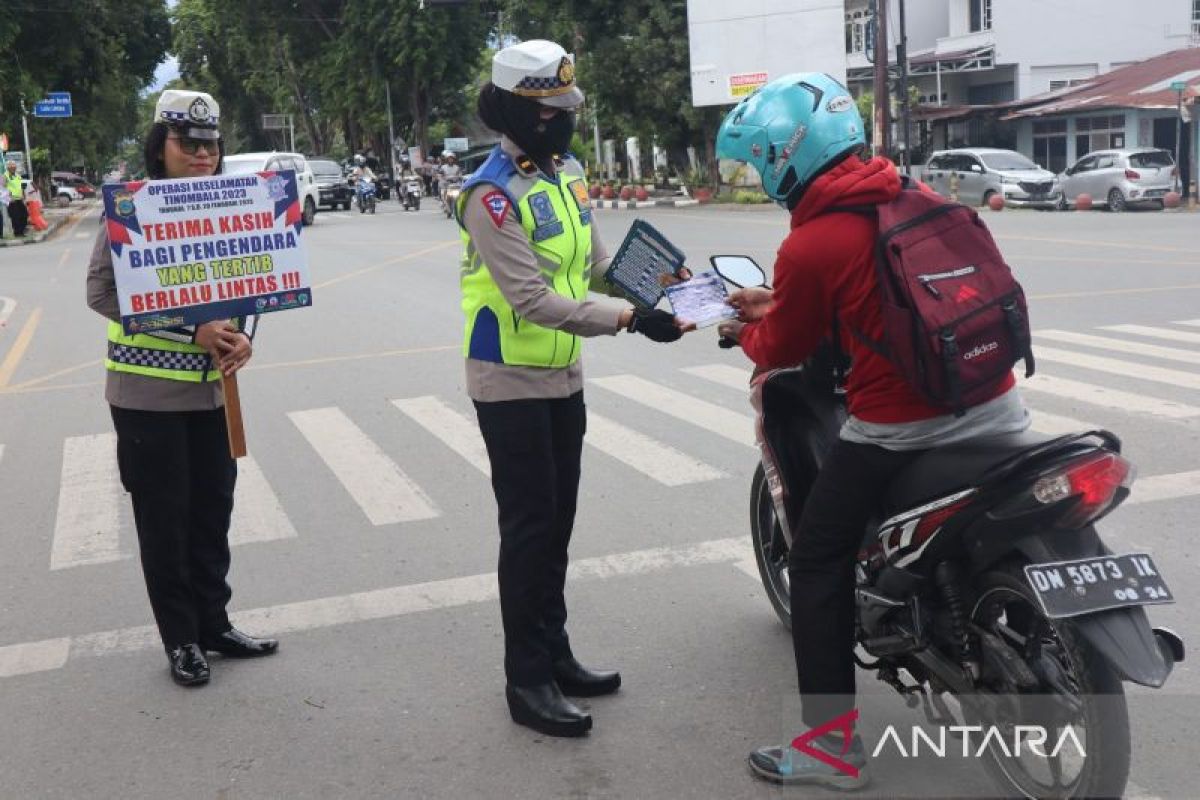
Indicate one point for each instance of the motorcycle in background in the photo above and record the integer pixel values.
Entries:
(364, 195)
(411, 191)
(451, 189)
(987, 585)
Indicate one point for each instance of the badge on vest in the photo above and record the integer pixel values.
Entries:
(583, 201)
(546, 223)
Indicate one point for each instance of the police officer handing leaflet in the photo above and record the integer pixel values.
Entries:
(531, 252)
(165, 395)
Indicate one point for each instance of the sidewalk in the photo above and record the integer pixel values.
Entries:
(57, 218)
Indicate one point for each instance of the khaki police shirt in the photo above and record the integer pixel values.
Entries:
(506, 252)
(140, 392)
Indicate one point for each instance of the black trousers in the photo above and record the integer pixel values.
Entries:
(534, 447)
(18, 215)
(847, 493)
(177, 468)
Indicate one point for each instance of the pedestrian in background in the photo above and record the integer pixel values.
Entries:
(17, 214)
(166, 401)
(531, 254)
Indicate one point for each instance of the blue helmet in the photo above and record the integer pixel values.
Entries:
(791, 130)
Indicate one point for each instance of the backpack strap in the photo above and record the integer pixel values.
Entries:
(879, 348)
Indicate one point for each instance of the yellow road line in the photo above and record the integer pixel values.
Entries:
(383, 264)
(308, 362)
(62, 261)
(1105, 292)
(60, 388)
(9, 365)
(38, 381)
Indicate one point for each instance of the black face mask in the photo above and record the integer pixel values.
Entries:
(519, 119)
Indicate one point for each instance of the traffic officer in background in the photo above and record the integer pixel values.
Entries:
(18, 215)
(531, 252)
(165, 395)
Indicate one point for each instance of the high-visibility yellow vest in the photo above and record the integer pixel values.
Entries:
(12, 182)
(556, 216)
(143, 354)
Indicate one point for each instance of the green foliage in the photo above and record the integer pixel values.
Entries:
(748, 197)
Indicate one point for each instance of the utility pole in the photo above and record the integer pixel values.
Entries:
(391, 131)
(25, 133)
(880, 140)
(902, 61)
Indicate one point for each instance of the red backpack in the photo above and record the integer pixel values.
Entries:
(955, 319)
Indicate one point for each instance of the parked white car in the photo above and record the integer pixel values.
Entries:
(271, 162)
(984, 171)
(1120, 178)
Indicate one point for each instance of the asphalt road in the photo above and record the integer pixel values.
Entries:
(366, 535)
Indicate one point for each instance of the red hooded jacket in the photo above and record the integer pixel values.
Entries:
(827, 263)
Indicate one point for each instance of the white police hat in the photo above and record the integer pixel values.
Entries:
(539, 70)
(196, 113)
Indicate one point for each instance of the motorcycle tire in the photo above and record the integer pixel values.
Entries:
(764, 528)
(1104, 712)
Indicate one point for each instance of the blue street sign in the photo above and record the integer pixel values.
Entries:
(61, 96)
(52, 109)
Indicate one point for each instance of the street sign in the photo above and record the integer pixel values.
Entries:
(53, 109)
(1178, 86)
(274, 122)
(64, 97)
(745, 84)
(455, 145)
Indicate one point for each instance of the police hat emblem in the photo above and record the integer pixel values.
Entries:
(199, 111)
(566, 71)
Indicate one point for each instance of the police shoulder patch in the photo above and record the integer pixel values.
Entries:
(497, 205)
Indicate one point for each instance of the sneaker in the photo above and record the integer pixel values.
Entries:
(788, 766)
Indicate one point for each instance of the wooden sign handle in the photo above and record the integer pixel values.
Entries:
(233, 417)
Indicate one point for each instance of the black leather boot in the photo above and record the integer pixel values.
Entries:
(544, 709)
(576, 680)
(235, 644)
(188, 666)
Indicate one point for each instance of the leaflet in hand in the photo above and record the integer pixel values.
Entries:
(701, 300)
(643, 258)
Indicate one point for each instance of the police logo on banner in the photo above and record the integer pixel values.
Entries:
(123, 204)
(546, 222)
(277, 188)
(496, 203)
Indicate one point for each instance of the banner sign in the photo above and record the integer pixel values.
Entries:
(456, 145)
(193, 250)
(744, 84)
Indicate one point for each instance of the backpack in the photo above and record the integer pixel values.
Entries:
(955, 319)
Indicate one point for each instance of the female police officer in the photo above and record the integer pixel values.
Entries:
(531, 250)
(172, 446)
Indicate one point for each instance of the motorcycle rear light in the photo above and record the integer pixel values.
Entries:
(1133, 175)
(1094, 481)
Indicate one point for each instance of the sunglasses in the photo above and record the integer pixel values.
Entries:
(191, 146)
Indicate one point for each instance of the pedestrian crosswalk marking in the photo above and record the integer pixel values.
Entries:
(724, 374)
(1121, 346)
(455, 430)
(1165, 487)
(1195, 323)
(258, 515)
(714, 418)
(648, 456)
(1128, 369)
(384, 493)
(1055, 425)
(1157, 333)
(88, 523)
(1107, 398)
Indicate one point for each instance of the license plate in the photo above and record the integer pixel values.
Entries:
(1037, 196)
(1086, 585)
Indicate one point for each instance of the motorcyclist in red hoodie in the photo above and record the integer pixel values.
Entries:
(804, 135)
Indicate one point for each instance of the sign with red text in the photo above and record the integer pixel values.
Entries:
(193, 250)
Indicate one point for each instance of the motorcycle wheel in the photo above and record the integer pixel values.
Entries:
(770, 548)
(416, 206)
(1067, 667)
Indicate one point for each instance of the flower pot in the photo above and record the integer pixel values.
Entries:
(641, 194)
(608, 193)
(594, 192)
(703, 194)
(626, 192)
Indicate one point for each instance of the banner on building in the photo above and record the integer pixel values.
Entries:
(744, 84)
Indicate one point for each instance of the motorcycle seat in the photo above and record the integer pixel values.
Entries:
(955, 467)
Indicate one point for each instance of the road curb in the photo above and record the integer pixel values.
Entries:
(631, 204)
(55, 223)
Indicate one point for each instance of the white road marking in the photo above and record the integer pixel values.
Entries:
(1120, 346)
(721, 421)
(456, 431)
(1055, 425)
(1108, 398)
(648, 456)
(1165, 487)
(7, 306)
(83, 235)
(1157, 333)
(1195, 323)
(381, 489)
(396, 601)
(723, 374)
(88, 524)
(258, 515)
(1127, 369)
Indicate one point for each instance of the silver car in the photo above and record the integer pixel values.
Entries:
(1120, 178)
(982, 172)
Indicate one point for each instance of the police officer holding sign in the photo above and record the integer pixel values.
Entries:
(531, 254)
(165, 395)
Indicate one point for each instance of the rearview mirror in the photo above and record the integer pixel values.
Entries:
(741, 271)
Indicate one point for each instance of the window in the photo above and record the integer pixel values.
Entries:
(856, 30)
(1084, 165)
(1106, 162)
(1195, 18)
(1099, 133)
(1063, 84)
(1154, 158)
(1045, 127)
(981, 15)
(1004, 162)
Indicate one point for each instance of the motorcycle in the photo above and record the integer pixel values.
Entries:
(364, 195)
(451, 189)
(411, 194)
(986, 585)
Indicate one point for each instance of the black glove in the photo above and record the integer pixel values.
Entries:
(654, 324)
